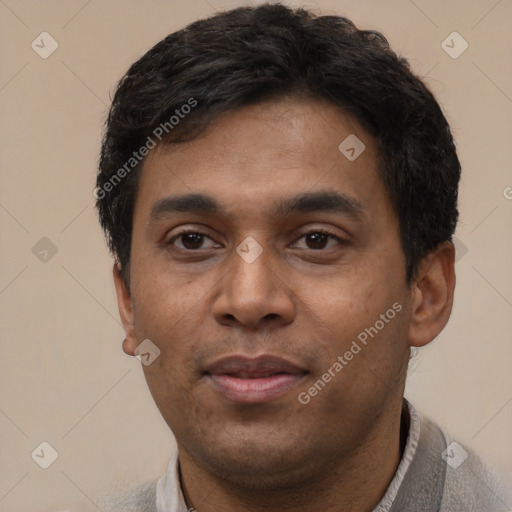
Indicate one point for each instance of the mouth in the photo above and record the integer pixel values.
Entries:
(253, 380)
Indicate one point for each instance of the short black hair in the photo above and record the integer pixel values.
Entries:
(249, 55)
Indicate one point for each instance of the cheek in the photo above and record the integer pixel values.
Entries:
(162, 298)
(351, 296)
(169, 313)
(360, 305)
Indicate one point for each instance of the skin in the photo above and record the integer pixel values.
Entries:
(300, 299)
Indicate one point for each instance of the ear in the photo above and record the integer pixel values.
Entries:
(432, 295)
(124, 302)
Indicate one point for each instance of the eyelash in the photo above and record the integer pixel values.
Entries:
(313, 231)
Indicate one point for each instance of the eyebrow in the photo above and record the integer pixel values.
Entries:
(326, 201)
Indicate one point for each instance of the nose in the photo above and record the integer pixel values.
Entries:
(252, 295)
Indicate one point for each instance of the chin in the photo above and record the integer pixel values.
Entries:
(259, 470)
(254, 458)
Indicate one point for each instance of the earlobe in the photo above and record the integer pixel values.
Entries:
(433, 292)
(124, 302)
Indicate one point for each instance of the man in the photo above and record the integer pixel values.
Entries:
(280, 192)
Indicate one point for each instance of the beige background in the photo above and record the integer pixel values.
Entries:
(63, 376)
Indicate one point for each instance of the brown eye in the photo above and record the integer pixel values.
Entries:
(191, 241)
(318, 240)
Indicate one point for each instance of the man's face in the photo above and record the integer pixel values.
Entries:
(331, 267)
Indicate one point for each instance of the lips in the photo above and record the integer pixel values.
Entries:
(253, 380)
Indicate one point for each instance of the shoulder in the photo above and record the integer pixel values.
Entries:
(470, 484)
(465, 482)
(446, 476)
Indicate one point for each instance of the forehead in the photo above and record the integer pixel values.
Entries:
(255, 157)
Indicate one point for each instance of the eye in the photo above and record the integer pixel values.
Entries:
(192, 240)
(318, 240)
(314, 240)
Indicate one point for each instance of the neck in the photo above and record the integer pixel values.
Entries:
(348, 482)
